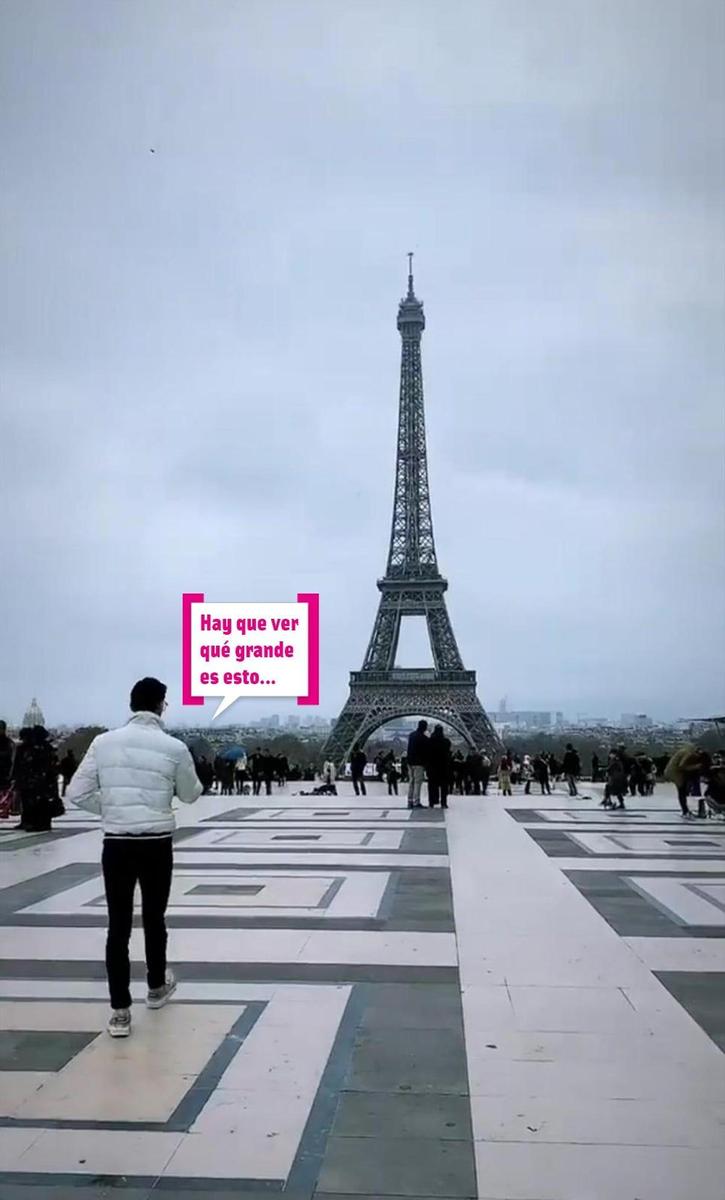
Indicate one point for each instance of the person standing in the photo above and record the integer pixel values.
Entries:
(68, 767)
(595, 768)
(683, 769)
(504, 775)
(554, 768)
(485, 774)
(35, 774)
(358, 763)
(527, 773)
(572, 768)
(240, 774)
(130, 777)
(439, 768)
(541, 773)
(417, 762)
(256, 763)
(617, 778)
(392, 774)
(268, 769)
(328, 776)
(283, 772)
(7, 753)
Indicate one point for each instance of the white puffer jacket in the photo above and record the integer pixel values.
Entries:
(130, 776)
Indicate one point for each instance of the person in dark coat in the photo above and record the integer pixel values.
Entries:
(475, 771)
(256, 767)
(35, 774)
(439, 767)
(391, 774)
(68, 767)
(617, 778)
(541, 773)
(205, 773)
(7, 753)
(268, 770)
(358, 763)
(595, 768)
(572, 768)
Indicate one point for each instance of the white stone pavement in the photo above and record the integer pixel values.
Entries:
(588, 1079)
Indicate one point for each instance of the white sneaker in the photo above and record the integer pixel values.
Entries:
(158, 997)
(119, 1022)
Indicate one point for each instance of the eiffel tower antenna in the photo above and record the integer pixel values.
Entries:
(412, 586)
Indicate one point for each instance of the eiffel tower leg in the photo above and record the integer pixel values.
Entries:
(369, 706)
(350, 726)
(479, 730)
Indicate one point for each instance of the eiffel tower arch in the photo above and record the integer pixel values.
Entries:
(412, 586)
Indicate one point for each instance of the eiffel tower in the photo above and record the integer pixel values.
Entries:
(412, 586)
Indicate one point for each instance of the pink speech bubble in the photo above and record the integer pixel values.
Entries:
(310, 599)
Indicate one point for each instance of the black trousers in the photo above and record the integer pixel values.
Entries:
(148, 862)
(359, 785)
(437, 789)
(683, 790)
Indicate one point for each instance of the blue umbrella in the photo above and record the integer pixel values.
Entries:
(233, 753)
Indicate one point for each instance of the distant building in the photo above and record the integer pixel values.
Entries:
(34, 715)
(525, 719)
(636, 721)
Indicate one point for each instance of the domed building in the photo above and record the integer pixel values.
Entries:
(34, 715)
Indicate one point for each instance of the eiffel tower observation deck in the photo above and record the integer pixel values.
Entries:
(412, 586)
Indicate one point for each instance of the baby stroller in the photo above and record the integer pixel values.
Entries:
(715, 792)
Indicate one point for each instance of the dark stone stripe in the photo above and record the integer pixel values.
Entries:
(195, 972)
(632, 914)
(42, 887)
(701, 994)
(305, 1169)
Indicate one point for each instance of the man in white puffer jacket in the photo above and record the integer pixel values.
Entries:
(130, 776)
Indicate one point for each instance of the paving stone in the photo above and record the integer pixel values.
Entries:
(39, 1050)
(81, 1190)
(392, 1115)
(398, 1167)
(701, 994)
(408, 1060)
(413, 1006)
(169, 1188)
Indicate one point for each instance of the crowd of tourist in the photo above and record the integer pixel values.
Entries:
(33, 779)
(694, 772)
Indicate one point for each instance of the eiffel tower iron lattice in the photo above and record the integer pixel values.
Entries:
(412, 586)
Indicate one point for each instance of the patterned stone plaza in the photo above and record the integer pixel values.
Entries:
(519, 999)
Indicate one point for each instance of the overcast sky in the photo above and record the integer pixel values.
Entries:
(200, 359)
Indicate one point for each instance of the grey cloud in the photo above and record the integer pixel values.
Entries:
(200, 360)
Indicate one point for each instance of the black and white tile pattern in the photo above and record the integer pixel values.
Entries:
(316, 1042)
